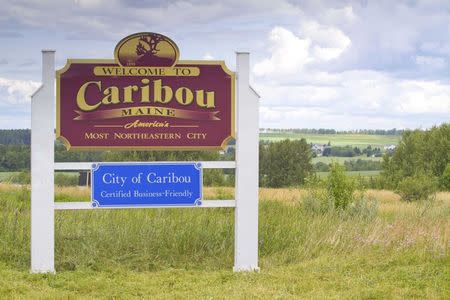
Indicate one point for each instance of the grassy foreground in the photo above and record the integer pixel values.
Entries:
(401, 252)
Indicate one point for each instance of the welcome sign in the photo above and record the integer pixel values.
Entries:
(145, 98)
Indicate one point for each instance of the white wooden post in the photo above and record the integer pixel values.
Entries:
(247, 156)
(42, 168)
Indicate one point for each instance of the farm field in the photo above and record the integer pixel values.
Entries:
(341, 160)
(399, 250)
(360, 140)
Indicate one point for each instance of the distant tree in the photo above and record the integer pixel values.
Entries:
(14, 157)
(285, 163)
(419, 152)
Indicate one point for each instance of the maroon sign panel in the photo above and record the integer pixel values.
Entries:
(145, 99)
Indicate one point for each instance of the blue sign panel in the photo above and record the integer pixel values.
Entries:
(146, 184)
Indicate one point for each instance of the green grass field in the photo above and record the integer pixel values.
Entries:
(341, 160)
(360, 140)
(400, 252)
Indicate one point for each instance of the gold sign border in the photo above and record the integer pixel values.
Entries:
(163, 148)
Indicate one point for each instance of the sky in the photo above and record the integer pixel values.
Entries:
(316, 64)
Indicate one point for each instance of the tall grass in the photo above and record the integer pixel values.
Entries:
(157, 239)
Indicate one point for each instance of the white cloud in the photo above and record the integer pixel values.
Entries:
(289, 53)
(423, 97)
(355, 99)
(15, 102)
(343, 80)
(16, 91)
(329, 42)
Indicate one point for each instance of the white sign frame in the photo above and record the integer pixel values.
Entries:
(43, 166)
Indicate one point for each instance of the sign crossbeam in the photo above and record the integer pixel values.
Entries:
(75, 166)
(87, 205)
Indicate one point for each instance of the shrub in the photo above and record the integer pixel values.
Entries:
(417, 187)
(338, 193)
(340, 187)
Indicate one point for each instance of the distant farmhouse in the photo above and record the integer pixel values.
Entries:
(389, 148)
(318, 149)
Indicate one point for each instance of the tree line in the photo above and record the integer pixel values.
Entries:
(420, 155)
(392, 131)
(349, 151)
(15, 136)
